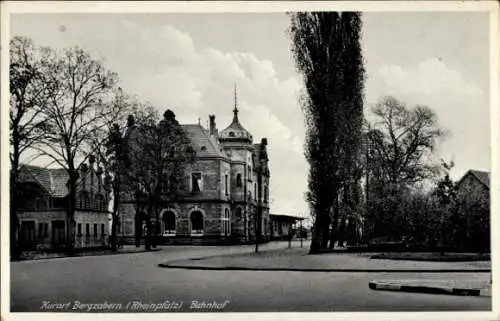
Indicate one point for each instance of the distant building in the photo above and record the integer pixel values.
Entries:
(221, 203)
(43, 208)
(473, 199)
(474, 182)
(282, 225)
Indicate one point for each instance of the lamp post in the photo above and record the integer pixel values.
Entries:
(259, 205)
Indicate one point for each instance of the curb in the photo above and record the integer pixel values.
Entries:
(241, 268)
(86, 255)
(393, 286)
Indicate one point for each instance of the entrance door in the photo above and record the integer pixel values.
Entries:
(58, 233)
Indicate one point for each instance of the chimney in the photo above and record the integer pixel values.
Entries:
(263, 149)
(213, 128)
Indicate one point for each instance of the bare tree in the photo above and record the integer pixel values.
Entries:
(27, 98)
(402, 141)
(108, 145)
(79, 88)
(158, 153)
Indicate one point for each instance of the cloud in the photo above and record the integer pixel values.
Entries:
(461, 106)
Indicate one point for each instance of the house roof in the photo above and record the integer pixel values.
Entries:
(200, 137)
(287, 217)
(53, 180)
(235, 131)
(482, 176)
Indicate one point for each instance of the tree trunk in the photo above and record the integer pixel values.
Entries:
(15, 249)
(114, 225)
(138, 229)
(317, 234)
(325, 235)
(333, 233)
(70, 221)
(315, 241)
(148, 234)
(114, 221)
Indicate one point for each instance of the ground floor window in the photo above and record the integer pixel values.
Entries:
(226, 222)
(27, 234)
(197, 223)
(168, 223)
(128, 227)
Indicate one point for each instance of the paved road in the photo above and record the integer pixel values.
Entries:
(119, 279)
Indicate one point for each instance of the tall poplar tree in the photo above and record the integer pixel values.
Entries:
(327, 52)
(351, 122)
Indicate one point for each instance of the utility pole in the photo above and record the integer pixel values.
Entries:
(301, 231)
(290, 226)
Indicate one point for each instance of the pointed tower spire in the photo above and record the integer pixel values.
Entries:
(235, 110)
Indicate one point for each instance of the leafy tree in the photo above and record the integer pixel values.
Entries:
(350, 137)
(401, 141)
(327, 53)
(446, 193)
(79, 88)
(158, 153)
(27, 98)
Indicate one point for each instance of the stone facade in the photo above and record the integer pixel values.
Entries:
(223, 185)
(42, 209)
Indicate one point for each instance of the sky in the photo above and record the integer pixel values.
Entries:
(189, 63)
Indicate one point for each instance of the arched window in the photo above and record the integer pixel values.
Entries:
(238, 180)
(226, 222)
(265, 193)
(168, 223)
(197, 224)
(255, 191)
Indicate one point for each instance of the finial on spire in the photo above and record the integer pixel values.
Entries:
(235, 110)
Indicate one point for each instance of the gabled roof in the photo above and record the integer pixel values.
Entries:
(200, 137)
(287, 217)
(52, 180)
(481, 176)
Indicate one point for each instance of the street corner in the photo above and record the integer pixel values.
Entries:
(401, 286)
